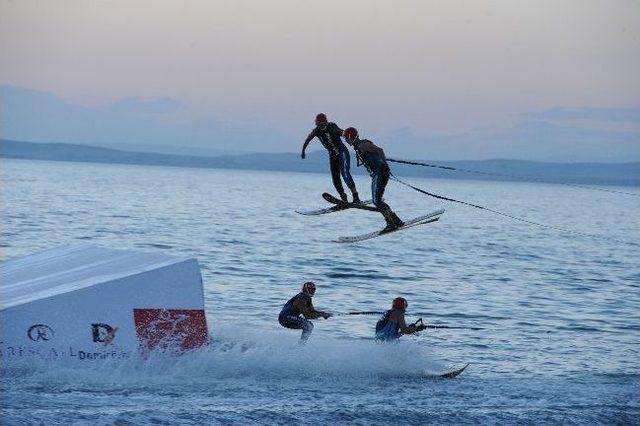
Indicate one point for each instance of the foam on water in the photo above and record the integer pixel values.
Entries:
(240, 353)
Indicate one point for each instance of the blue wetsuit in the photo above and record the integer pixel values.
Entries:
(290, 316)
(339, 158)
(387, 330)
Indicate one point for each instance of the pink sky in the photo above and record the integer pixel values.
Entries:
(434, 67)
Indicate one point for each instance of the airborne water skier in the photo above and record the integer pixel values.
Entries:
(375, 161)
(339, 160)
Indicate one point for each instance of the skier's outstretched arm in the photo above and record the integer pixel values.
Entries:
(306, 142)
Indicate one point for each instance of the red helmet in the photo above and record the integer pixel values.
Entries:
(350, 134)
(321, 119)
(309, 288)
(399, 303)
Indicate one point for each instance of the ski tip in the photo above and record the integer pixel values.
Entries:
(330, 198)
(454, 373)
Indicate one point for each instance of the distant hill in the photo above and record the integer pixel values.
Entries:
(316, 162)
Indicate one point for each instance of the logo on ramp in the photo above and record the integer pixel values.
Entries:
(103, 333)
(40, 332)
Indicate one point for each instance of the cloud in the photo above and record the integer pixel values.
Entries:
(164, 125)
(630, 115)
(549, 141)
(538, 140)
(135, 105)
(37, 116)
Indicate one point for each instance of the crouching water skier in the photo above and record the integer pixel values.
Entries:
(300, 304)
(375, 161)
(392, 325)
(339, 159)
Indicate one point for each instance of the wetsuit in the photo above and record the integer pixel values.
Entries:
(339, 159)
(290, 315)
(375, 161)
(387, 330)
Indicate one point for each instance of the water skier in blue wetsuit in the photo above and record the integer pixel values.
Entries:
(375, 161)
(392, 325)
(339, 159)
(297, 312)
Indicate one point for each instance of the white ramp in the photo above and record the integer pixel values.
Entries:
(91, 303)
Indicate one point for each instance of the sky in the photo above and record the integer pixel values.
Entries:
(540, 80)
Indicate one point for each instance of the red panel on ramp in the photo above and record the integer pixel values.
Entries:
(172, 329)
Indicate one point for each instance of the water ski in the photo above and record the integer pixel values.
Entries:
(325, 210)
(448, 374)
(347, 205)
(420, 220)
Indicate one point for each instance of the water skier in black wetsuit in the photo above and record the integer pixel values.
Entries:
(375, 161)
(339, 159)
(300, 304)
(392, 325)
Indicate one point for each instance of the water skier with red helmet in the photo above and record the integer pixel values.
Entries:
(375, 161)
(297, 312)
(339, 160)
(392, 325)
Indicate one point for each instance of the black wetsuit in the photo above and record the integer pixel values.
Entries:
(339, 159)
(290, 316)
(374, 160)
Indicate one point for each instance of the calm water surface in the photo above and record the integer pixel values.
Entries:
(561, 311)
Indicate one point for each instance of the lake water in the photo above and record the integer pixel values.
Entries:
(560, 310)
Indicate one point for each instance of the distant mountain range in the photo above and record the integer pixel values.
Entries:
(316, 162)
